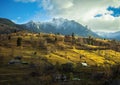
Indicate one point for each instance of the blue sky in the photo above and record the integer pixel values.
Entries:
(116, 11)
(21, 12)
(98, 15)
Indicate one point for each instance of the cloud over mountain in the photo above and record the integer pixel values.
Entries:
(84, 11)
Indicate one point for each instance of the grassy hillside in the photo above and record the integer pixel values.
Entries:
(48, 54)
(7, 26)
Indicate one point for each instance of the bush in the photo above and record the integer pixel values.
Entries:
(67, 67)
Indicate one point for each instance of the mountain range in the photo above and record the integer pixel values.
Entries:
(62, 26)
(112, 35)
(56, 25)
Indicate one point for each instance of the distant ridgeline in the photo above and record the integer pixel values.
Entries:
(56, 26)
(7, 26)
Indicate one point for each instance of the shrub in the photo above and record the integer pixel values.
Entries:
(67, 67)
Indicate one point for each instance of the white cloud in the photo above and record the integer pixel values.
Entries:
(25, 1)
(105, 23)
(84, 11)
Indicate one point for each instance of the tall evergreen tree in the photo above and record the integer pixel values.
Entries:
(19, 41)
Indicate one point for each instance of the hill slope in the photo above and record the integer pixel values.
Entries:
(7, 26)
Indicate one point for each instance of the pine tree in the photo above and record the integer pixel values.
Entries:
(73, 35)
(19, 41)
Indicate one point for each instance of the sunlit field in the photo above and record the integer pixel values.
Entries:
(38, 59)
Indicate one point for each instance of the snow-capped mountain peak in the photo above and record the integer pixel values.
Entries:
(63, 26)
